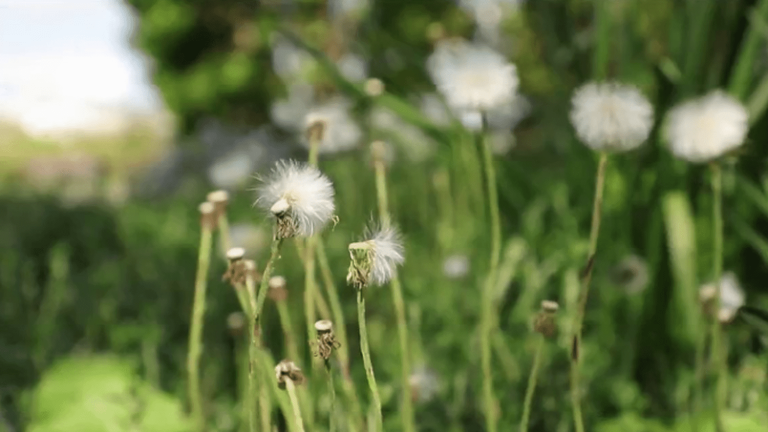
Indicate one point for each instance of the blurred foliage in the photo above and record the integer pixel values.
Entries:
(92, 277)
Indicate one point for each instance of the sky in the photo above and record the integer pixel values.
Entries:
(68, 64)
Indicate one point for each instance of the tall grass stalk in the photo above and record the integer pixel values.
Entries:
(397, 295)
(198, 313)
(583, 295)
(488, 318)
(718, 354)
(291, 387)
(532, 378)
(366, 351)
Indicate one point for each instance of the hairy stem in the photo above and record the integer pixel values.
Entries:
(718, 354)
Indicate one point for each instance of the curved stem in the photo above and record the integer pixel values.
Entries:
(397, 299)
(717, 354)
(532, 383)
(196, 328)
(226, 239)
(294, 403)
(365, 350)
(587, 277)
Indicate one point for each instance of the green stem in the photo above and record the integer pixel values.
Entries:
(332, 389)
(290, 335)
(397, 298)
(196, 330)
(310, 296)
(365, 350)
(576, 347)
(264, 286)
(601, 55)
(532, 383)
(294, 404)
(701, 341)
(717, 335)
(265, 405)
(226, 240)
(253, 348)
(488, 319)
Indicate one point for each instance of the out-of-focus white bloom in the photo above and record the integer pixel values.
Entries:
(471, 76)
(434, 108)
(412, 142)
(289, 113)
(507, 116)
(289, 61)
(731, 297)
(252, 238)
(340, 132)
(501, 141)
(353, 67)
(706, 128)
(456, 266)
(424, 384)
(341, 8)
(232, 170)
(387, 252)
(300, 193)
(631, 274)
(611, 116)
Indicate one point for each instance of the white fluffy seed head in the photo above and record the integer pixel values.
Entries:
(471, 76)
(387, 252)
(307, 192)
(706, 128)
(611, 116)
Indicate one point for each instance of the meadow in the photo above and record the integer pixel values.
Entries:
(552, 210)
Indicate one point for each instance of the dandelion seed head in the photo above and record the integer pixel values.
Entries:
(388, 252)
(472, 76)
(731, 297)
(706, 128)
(424, 383)
(301, 191)
(456, 266)
(631, 274)
(611, 116)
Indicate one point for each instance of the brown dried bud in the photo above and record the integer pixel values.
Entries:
(545, 322)
(277, 289)
(207, 215)
(316, 129)
(287, 370)
(219, 199)
(326, 341)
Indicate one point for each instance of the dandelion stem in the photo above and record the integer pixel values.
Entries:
(294, 403)
(223, 227)
(332, 389)
(310, 288)
(587, 277)
(264, 286)
(365, 350)
(701, 342)
(265, 405)
(397, 299)
(532, 383)
(290, 335)
(488, 318)
(196, 329)
(253, 335)
(717, 334)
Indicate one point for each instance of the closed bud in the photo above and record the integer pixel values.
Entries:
(545, 321)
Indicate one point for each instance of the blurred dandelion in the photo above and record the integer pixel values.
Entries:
(424, 383)
(456, 266)
(611, 116)
(472, 77)
(341, 132)
(731, 297)
(706, 128)
(631, 274)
